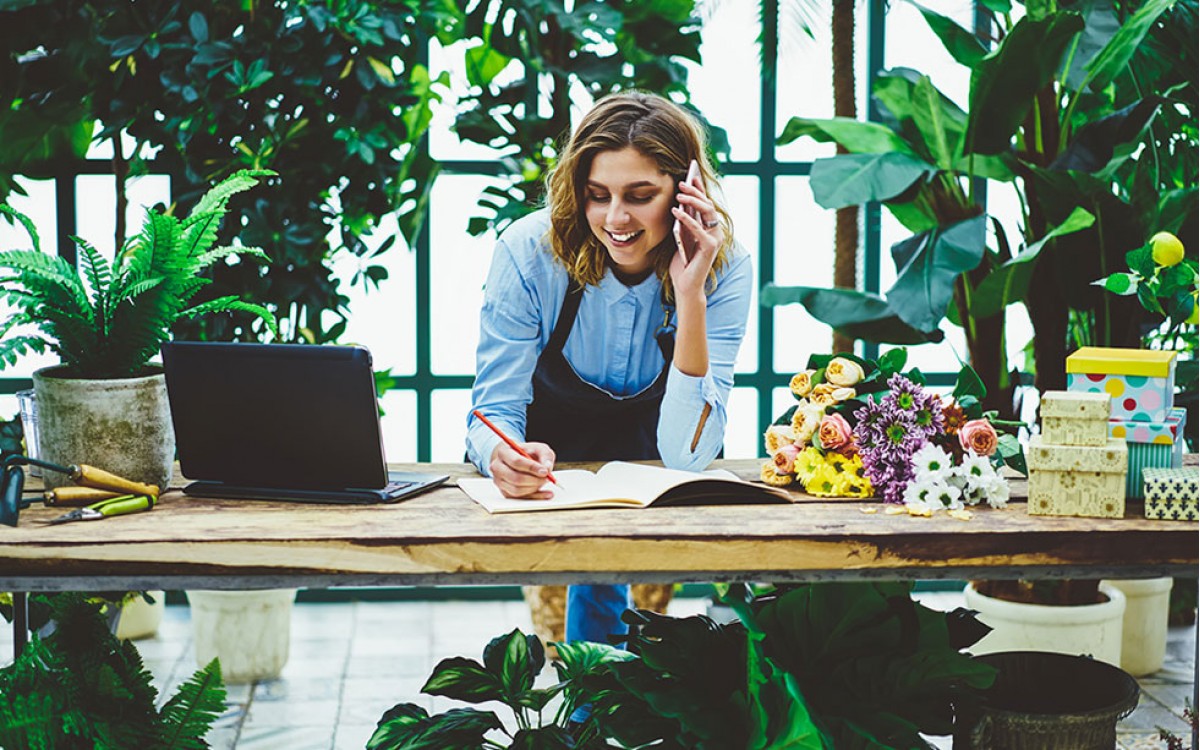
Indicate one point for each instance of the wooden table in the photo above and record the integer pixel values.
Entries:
(442, 537)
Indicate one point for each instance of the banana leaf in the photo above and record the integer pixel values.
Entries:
(859, 315)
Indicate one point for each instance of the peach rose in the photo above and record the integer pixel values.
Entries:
(834, 432)
(979, 436)
(801, 383)
(843, 372)
(785, 459)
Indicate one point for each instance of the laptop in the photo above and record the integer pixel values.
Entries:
(281, 422)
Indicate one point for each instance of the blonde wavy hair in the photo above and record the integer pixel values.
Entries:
(658, 129)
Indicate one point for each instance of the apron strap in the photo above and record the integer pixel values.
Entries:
(566, 315)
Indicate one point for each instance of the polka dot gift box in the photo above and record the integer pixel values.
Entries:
(1141, 382)
(1151, 445)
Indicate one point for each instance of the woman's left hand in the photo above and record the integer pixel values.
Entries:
(701, 235)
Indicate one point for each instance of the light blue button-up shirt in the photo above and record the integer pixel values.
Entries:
(611, 346)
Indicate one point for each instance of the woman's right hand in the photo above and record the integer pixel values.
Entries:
(520, 477)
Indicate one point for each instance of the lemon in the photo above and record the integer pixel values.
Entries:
(1166, 249)
(1194, 318)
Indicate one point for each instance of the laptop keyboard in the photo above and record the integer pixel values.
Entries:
(394, 487)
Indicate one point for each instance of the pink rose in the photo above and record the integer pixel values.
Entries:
(979, 436)
(785, 459)
(834, 432)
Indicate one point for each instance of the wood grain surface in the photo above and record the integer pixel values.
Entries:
(444, 537)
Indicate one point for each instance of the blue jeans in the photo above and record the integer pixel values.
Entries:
(594, 612)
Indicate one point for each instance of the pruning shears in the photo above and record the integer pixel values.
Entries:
(114, 506)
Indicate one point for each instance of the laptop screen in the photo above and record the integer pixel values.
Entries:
(275, 415)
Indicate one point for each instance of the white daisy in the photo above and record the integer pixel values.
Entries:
(945, 496)
(932, 463)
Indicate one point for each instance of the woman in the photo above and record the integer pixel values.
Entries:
(607, 333)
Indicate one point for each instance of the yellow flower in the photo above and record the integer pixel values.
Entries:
(1166, 249)
(843, 372)
(802, 383)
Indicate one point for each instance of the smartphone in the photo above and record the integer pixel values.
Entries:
(693, 178)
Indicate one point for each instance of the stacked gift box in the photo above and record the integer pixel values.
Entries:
(1141, 383)
(1075, 467)
(1172, 494)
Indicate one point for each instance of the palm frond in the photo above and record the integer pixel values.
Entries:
(24, 221)
(192, 710)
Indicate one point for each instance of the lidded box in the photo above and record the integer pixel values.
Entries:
(1072, 480)
(1140, 381)
(1075, 418)
(1172, 493)
(1156, 445)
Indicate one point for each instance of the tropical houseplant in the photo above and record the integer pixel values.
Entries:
(210, 89)
(809, 666)
(79, 686)
(1059, 111)
(105, 404)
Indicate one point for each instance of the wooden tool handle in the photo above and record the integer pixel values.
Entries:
(90, 476)
(77, 497)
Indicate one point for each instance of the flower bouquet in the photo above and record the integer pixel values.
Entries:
(864, 428)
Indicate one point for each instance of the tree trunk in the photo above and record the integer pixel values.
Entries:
(845, 251)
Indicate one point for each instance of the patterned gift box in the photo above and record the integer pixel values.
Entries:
(1075, 418)
(1172, 494)
(1151, 445)
(1072, 480)
(1140, 381)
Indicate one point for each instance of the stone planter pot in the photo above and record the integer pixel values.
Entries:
(249, 631)
(1144, 629)
(1093, 629)
(139, 619)
(122, 426)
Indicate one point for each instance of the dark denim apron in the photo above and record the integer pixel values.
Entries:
(582, 422)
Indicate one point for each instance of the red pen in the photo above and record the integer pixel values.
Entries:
(511, 443)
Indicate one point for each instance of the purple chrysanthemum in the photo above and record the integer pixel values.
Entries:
(892, 429)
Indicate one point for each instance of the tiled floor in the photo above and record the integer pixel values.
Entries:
(350, 662)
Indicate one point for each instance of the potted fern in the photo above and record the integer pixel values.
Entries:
(106, 404)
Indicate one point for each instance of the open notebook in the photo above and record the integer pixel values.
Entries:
(625, 485)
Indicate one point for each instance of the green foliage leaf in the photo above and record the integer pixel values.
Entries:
(1004, 83)
(465, 680)
(925, 281)
(192, 710)
(1010, 282)
(1111, 60)
(1141, 260)
(852, 179)
(515, 659)
(408, 727)
(857, 136)
(1119, 283)
(962, 45)
(969, 383)
(1009, 448)
(857, 314)
(892, 361)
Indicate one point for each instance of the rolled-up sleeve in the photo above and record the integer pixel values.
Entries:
(509, 343)
(691, 424)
